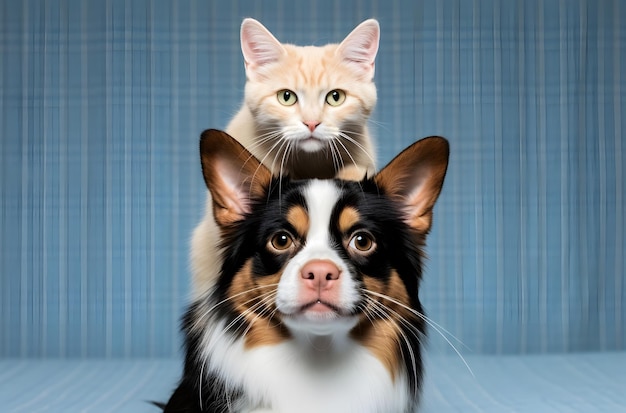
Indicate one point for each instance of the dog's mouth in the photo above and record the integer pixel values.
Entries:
(320, 306)
(321, 314)
(320, 317)
(318, 310)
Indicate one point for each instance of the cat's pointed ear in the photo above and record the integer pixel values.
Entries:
(259, 46)
(359, 48)
(414, 178)
(232, 174)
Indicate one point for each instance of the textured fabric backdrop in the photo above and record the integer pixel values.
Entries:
(102, 104)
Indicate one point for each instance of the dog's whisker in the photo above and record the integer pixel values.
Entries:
(250, 310)
(242, 315)
(206, 313)
(387, 312)
(430, 321)
(432, 324)
(381, 310)
(236, 320)
(260, 314)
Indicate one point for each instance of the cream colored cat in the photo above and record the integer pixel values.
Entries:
(305, 114)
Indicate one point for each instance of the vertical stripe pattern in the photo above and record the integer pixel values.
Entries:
(102, 104)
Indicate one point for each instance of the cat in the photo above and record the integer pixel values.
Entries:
(316, 308)
(305, 115)
(306, 108)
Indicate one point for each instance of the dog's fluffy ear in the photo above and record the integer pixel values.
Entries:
(232, 174)
(415, 177)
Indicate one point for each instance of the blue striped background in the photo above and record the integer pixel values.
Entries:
(102, 103)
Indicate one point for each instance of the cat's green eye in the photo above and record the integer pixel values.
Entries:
(286, 97)
(335, 97)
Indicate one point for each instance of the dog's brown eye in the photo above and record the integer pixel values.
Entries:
(281, 241)
(362, 242)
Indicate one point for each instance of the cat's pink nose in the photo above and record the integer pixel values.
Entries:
(311, 124)
(319, 275)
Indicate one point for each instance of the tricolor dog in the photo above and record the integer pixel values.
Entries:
(316, 305)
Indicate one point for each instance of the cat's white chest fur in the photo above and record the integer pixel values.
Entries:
(286, 378)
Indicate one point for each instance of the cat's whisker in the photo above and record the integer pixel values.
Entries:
(285, 149)
(354, 162)
(274, 139)
(382, 125)
(352, 133)
(360, 146)
(263, 137)
(285, 156)
(274, 136)
(336, 155)
(278, 146)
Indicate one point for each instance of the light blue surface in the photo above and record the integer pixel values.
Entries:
(538, 383)
(102, 103)
(500, 384)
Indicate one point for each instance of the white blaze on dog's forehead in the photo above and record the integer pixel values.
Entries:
(321, 197)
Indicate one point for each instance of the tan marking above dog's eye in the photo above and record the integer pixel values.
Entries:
(298, 217)
(281, 241)
(362, 242)
(348, 218)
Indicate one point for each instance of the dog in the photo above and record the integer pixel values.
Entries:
(316, 305)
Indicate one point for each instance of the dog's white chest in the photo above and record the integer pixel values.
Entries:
(282, 379)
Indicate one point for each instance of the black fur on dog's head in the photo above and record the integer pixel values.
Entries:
(314, 258)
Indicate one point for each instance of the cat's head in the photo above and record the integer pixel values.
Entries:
(310, 95)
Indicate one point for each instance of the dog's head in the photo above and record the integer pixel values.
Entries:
(323, 257)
